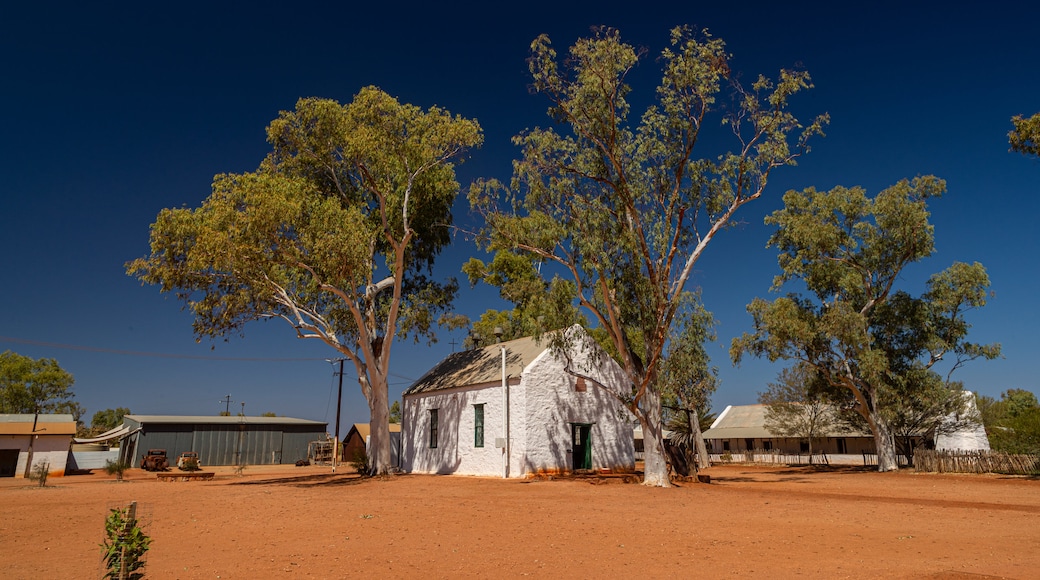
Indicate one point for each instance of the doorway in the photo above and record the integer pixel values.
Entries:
(8, 462)
(581, 445)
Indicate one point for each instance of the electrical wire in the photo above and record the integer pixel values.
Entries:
(169, 355)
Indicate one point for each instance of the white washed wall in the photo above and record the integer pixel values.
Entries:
(455, 451)
(542, 407)
(553, 404)
(53, 450)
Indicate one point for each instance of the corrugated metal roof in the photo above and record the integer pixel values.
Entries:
(22, 424)
(749, 422)
(223, 420)
(41, 418)
(481, 365)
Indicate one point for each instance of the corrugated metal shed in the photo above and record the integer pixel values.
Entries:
(223, 440)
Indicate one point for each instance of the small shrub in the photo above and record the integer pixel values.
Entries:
(125, 544)
(240, 469)
(726, 457)
(360, 462)
(39, 473)
(116, 468)
(190, 464)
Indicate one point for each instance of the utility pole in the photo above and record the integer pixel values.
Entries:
(32, 437)
(227, 404)
(339, 400)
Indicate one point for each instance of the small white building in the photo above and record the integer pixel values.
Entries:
(519, 408)
(45, 437)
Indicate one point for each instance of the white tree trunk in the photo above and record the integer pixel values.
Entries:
(703, 462)
(379, 442)
(655, 466)
(885, 443)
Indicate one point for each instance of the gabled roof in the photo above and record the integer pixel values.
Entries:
(740, 422)
(364, 429)
(749, 422)
(481, 366)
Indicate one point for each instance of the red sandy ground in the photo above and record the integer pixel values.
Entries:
(287, 522)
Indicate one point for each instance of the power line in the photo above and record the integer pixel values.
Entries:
(152, 354)
(168, 355)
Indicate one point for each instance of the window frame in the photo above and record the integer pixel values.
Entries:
(434, 420)
(478, 425)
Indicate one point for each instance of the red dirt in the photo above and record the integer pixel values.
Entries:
(281, 522)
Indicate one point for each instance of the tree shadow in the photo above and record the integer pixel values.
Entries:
(307, 480)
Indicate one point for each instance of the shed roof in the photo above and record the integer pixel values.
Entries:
(480, 366)
(221, 420)
(50, 424)
(364, 429)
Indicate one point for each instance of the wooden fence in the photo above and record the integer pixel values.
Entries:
(975, 462)
(870, 459)
(768, 456)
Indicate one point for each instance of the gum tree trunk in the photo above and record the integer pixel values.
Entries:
(379, 444)
(655, 466)
(885, 443)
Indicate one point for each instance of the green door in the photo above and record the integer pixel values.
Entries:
(581, 435)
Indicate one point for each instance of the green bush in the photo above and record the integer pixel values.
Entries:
(116, 468)
(360, 462)
(39, 473)
(125, 544)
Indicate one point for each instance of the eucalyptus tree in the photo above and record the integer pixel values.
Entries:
(687, 379)
(855, 329)
(29, 385)
(1025, 137)
(796, 406)
(335, 234)
(624, 208)
(538, 305)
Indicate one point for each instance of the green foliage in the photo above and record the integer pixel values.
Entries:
(125, 545)
(539, 306)
(268, 414)
(1013, 422)
(335, 233)
(1025, 137)
(108, 419)
(395, 412)
(874, 345)
(39, 473)
(622, 208)
(796, 406)
(360, 463)
(29, 385)
(116, 468)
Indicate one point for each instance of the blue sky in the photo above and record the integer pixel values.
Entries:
(111, 113)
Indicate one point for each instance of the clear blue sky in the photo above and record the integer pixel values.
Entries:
(111, 113)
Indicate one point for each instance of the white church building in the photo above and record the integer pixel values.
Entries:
(517, 409)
